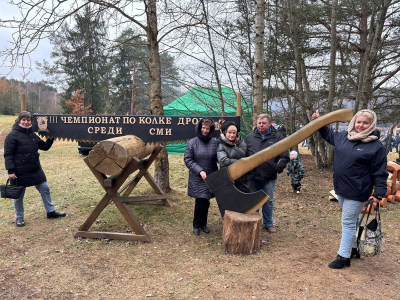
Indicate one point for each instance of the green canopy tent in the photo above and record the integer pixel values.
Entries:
(203, 102)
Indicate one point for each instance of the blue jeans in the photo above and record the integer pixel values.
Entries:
(268, 186)
(351, 210)
(44, 191)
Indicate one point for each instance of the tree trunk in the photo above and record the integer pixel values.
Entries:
(214, 60)
(370, 44)
(259, 58)
(111, 156)
(161, 172)
(332, 76)
(241, 233)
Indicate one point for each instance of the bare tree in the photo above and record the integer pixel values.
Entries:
(259, 57)
(40, 18)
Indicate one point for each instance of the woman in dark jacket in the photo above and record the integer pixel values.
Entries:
(201, 159)
(230, 149)
(22, 163)
(359, 167)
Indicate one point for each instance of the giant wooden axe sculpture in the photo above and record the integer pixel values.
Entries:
(221, 182)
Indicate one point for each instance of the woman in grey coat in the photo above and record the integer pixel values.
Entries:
(230, 149)
(201, 159)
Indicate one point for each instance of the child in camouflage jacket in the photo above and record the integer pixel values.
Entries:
(295, 168)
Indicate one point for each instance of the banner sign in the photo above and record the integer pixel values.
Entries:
(101, 127)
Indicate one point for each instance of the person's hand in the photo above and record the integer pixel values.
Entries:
(12, 176)
(203, 175)
(376, 200)
(315, 115)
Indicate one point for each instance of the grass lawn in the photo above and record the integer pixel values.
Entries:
(43, 260)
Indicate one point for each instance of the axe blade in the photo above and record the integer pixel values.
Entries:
(230, 198)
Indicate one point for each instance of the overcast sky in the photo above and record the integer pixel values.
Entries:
(9, 12)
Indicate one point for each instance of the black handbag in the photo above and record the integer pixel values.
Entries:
(11, 191)
(370, 237)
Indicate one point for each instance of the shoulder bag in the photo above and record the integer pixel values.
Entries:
(370, 240)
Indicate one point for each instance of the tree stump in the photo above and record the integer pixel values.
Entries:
(390, 198)
(241, 233)
(111, 156)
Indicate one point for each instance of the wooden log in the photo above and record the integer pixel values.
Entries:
(397, 196)
(390, 198)
(111, 156)
(389, 188)
(395, 189)
(241, 232)
(395, 170)
(370, 209)
(383, 202)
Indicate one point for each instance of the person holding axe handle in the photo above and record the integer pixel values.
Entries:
(359, 167)
(201, 159)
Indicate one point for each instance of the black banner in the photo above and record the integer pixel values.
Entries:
(99, 127)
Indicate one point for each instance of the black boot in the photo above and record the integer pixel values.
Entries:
(205, 229)
(196, 230)
(354, 253)
(20, 222)
(339, 263)
(55, 215)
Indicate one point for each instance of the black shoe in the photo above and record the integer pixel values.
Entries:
(196, 230)
(205, 229)
(355, 253)
(55, 214)
(20, 222)
(339, 263)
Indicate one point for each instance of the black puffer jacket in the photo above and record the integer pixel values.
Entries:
(357, 167)
(201, 155)
(256, 143)
(21, 155)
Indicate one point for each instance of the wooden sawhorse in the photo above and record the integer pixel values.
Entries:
(112, 186)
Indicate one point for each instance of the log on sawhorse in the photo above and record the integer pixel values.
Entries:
(112, 186)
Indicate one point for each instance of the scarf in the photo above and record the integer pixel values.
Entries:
(364, 136)
(223, 138)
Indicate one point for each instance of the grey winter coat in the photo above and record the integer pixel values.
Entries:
(228, 153)
(201, 155)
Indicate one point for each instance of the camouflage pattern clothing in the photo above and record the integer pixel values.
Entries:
(296, 170)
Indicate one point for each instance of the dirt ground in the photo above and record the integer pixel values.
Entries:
(44, 261)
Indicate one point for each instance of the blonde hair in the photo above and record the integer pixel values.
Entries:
(207, 122)
(264, 116)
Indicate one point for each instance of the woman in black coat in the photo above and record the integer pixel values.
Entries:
(359, 167)
(201, 159)
(230, 149)
(22, 163)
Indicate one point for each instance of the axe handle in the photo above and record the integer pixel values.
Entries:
(244, 165)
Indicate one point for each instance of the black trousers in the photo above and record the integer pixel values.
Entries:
(200, 212)
(296, 186)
